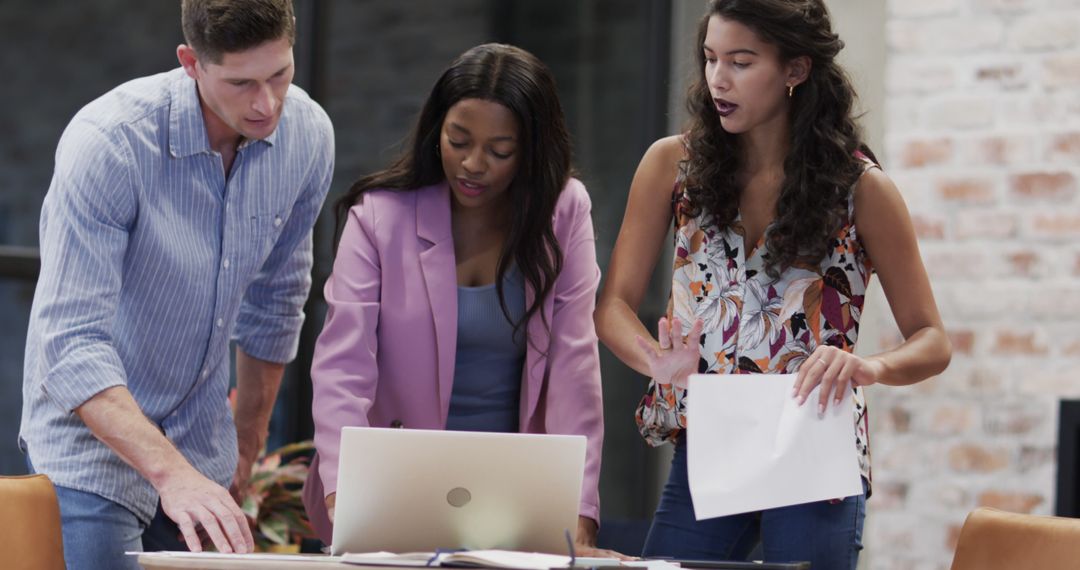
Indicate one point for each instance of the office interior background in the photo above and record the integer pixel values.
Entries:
(972, 105)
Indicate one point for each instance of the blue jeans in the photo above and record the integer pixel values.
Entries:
(827, 534)
(97, 532)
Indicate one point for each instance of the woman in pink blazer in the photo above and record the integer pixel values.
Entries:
(480, 203)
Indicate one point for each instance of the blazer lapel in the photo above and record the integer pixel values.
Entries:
(440, 279)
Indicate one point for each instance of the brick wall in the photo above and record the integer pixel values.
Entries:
(983, 138)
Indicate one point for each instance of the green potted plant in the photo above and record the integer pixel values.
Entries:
(272, 500)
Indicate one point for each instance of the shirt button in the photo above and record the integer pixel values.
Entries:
(225, 264)
(205, 373)
(220, 323)
(277, 221)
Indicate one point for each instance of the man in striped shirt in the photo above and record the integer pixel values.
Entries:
(179, 217)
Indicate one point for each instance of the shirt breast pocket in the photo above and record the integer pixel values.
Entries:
(261, 233)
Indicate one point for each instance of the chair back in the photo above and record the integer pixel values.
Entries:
(30, 515)
(997, 540)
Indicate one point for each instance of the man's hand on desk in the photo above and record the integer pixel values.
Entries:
(187, 496)
(585, 543)
(190, 499)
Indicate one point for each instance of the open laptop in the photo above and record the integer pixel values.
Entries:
(405, 490)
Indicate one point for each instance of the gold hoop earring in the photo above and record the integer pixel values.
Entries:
(790, 90)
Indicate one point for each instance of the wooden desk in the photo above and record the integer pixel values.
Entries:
(158, 561)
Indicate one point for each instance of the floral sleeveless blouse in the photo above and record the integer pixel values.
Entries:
(753, 323)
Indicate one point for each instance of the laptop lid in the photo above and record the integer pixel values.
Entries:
(406, 490)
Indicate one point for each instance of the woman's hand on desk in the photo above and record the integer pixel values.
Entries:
(331, 500)
(585, 543)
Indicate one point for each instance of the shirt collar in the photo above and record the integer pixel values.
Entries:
(187, 127)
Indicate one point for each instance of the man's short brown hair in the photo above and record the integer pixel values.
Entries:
(216, 27)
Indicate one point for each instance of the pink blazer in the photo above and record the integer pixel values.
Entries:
(386, 354)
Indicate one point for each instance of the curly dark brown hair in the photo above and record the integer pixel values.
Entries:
(822, 164)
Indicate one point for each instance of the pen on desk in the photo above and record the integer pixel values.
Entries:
(728, 565)
(439, 552)
(570, 547)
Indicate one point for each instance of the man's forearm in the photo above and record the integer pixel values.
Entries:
(115, 418)
(187, 496)
(257, 383)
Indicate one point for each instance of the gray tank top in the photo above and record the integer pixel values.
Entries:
(490, 358)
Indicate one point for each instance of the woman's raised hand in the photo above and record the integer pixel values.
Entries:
(676, 357)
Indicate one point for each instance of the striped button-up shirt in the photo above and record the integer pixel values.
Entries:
(152, 259)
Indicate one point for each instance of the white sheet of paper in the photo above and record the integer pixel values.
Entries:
(752, 447)
(258, 556)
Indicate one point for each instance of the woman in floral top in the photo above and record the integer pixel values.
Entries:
(780, 216)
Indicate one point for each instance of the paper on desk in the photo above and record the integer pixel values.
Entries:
(258, 556)
(383, 558)
(752, 447)
(467, 558)
(651, 564)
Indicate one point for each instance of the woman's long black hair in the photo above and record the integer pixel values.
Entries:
(519, 81)
(822, 164)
